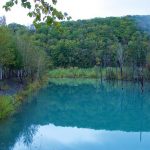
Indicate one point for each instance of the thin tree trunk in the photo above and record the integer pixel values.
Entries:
(1, 73)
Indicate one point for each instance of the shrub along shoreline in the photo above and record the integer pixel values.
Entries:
(9, 104)
(108, 73)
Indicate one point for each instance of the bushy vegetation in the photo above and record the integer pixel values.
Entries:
(10, 104)
(20, 56)
(73, 73)
(108, 73)
(6, 106)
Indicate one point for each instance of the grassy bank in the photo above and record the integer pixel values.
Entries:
(10, 104)
(108, 73)
(74, 73)
(7, 106)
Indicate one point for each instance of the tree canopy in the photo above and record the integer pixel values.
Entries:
(109, 40)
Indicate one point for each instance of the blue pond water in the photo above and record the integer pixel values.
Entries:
(81, 115)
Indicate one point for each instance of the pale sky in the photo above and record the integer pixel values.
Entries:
(84, 9)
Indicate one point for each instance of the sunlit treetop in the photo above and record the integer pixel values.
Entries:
(40, 10)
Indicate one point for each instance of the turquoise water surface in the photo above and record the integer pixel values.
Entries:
(81, 115)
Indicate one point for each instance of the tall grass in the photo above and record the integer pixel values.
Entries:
(82, 73)
(108, 73)
(73, 73)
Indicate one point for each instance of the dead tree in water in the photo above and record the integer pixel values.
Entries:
(148, 65)
(120, 59)
(141, 77)
(99, 66)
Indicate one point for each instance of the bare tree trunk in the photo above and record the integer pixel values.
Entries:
(133, 68)
(1, 73)
(121, 72)
(38, 70)
(101, 73)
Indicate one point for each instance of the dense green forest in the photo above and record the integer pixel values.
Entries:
(20, 55)
(114, 42)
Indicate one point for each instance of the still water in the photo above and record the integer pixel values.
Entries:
(81, 115)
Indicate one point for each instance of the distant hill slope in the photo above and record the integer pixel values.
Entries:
(102, 41)
(143, 22)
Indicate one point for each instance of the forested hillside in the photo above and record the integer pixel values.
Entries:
(105, 42)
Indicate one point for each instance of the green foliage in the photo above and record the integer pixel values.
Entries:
(109, 73)
(6, 106)
(40, 10)
(73, 73)
(20, 55)
(10, 104)
(73, 82)
(81, 43)
(7, 48)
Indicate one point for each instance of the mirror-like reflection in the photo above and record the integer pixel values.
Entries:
(50, 137)
(81, 114)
